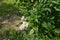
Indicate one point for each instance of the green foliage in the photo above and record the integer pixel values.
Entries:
(43, 14)
(43, 17)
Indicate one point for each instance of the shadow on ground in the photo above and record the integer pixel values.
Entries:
(9, 13)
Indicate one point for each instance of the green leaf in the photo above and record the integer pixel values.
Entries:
(44, 24)
(31, 32)
(32, 0)
(57, 30)
(47, 9)
(55, 2)
(52, 17)
(57, 9)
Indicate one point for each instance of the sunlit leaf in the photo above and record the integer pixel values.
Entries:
(31, 32)
(47, 9)
(57, 9)
(44, 24)
(55, 2)
(57, 30)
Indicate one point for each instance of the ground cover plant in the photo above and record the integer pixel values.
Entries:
(43, 17)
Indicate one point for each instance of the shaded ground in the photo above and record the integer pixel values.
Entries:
(10, 16)
(11, 21)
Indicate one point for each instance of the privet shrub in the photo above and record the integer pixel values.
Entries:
(44, 18)
(43, 15)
